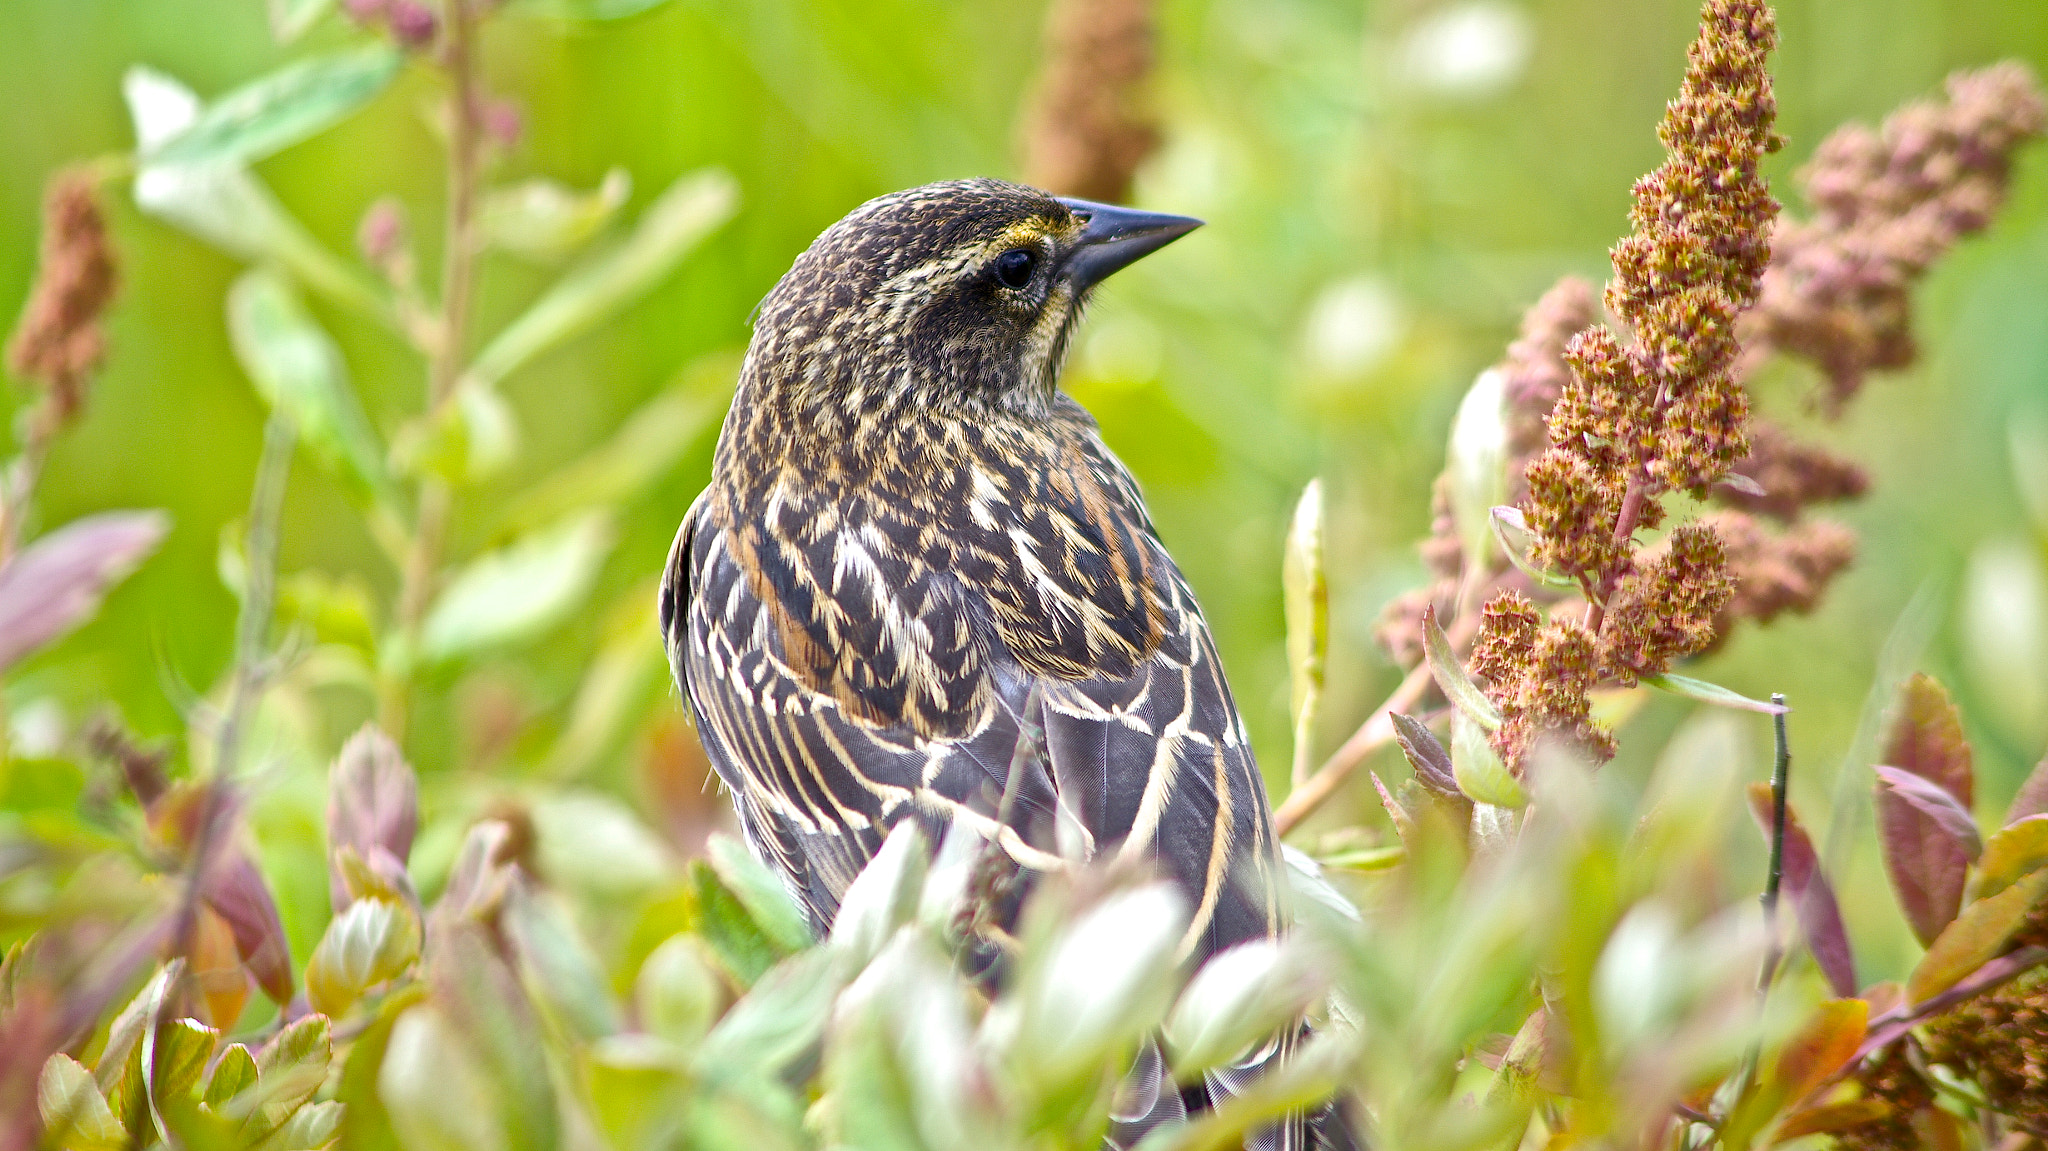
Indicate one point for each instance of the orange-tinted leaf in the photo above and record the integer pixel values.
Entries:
(1820, 916)
(1926, 862)
(1823, 1046)
(1938, 1130)
(1832, 1117)
(2018, 849)
(1976, 937)
(235, 890)
(217, 971)
(372, 803)
(2033, 795)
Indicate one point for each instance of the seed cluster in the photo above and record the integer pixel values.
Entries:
(1651, 413)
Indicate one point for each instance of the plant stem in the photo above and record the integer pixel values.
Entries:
(446, 355)
(1781, 771)
(1376, 732)
(252, 662)
(1624, 529)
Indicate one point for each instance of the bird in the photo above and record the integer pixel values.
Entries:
(916, 558)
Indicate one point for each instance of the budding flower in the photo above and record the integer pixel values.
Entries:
(412, 23)
(385, 239)
(502, 121)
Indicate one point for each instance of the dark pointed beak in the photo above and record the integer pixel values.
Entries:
(1116, 238)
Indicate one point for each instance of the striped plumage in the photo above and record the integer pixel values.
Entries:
(914, 546)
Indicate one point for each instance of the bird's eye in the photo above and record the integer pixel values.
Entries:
(1013, 267)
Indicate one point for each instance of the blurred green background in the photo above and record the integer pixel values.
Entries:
(1387, 186)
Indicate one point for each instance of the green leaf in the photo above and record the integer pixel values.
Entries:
(289, 19)
(234, 1074)
(2014, 852)
(625, 677)
(1975, 937)
(74, 1113)
(1307, 602)
(1477, 464)
(183, 1048)
(437, 1093)
(1511, 532)
(678, 992)
(689, 210)
(1713, 693)
(311, 1127)
(1239, 999)
(543, 220)
(229, 208)
(732, 933)
(776, 1022)
(883, 897)
(760, 891)
(1103, 982)
(371, 941)
(519, 591)
(276, 111)
(594, 844)
(299, 371)
(1478, 769)
(290, 1068)
(1451, 676)
(559, 970)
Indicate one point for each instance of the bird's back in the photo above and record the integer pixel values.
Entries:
(856, 654)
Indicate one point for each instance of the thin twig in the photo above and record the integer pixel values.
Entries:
(1376, 732)
(451, 336)
(252, 663)
(1781, 770)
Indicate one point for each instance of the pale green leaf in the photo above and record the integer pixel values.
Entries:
(1241, 998)
(289, 19)
(1478, 769)
(883, 897)
(594, 843)
(1098, 986)
(760, 891)
(1713, 693)
(310, 1128)
(776, 1022)
(1975, 937)
(229, 208)
(557, 965)
(234, 1074)
(519, 591)
(2015, 851)
(688, 211)
(276, 111)
(1451, 676)
(544, 220)
(679, 992)
(439, 1096)
(1476, 464)
(1306, 598)
(74, 1113)
(299, 371)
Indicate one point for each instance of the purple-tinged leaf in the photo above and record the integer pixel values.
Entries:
(1404, 820)
(1426, 755)
(1934, 802)
(1927, 858)
(56, 583)
(236, 892)
(1820, 917)
(372, 805)
(2033, 796)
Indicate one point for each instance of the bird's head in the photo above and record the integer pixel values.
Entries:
(956, 294)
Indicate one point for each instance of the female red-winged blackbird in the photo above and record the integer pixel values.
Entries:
(914, 548)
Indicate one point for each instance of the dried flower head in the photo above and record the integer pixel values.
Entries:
(1791, 475)
(1887, 204)
(1660, 412)
(1781, 572)
(1890, 1079)
(1087, 129)
(2001, 1040)
(59, 343)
